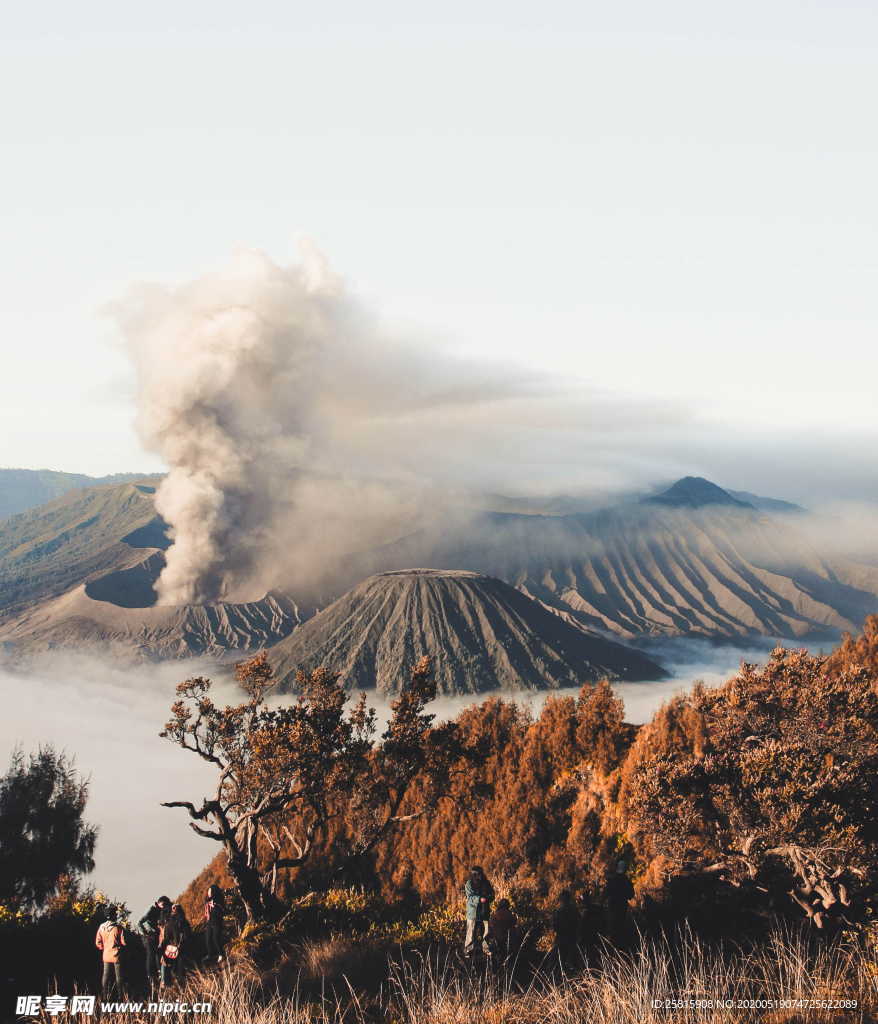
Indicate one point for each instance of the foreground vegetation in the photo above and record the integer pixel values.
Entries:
(733, 806)
(786, 980)
(746, 815)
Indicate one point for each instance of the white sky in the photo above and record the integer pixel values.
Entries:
(673, 200)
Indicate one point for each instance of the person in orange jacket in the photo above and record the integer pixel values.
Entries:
(110, 940)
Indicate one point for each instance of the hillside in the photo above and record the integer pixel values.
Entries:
(77, 621)
(483, 634)
(69, 541)
(23, 489)
(79, 573)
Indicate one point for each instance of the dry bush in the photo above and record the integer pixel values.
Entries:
(336, 958)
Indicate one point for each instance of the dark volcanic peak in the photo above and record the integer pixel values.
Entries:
(482, 634)
(695, 492)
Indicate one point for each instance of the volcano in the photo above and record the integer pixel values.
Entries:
(481, 633)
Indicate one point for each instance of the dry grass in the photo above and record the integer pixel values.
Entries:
(621, 990)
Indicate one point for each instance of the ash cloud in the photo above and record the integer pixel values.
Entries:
(298, 430)
(302, 433)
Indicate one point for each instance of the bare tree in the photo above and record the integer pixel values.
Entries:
(286, 773)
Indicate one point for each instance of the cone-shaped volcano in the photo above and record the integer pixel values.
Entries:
(481, 633)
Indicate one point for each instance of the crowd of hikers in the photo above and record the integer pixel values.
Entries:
(166, 936)
(491, 930)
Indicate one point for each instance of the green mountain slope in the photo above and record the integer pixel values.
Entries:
(83, 534)
(23, 489)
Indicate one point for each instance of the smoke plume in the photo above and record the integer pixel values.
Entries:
(301, 433)
(298, 431)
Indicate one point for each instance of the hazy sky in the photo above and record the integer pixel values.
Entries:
(669, 200)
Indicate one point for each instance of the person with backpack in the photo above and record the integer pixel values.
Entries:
(214, 912)
(618, 893)
(148, 926)
(503, 931)
(479, 897)
(110, 940)
(565, 923)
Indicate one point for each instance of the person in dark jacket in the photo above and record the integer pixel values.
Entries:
(618, 894)
(479, 897)
(214, 912)
(148, 926)
(565, 923)
(503, 931)
(174, 932)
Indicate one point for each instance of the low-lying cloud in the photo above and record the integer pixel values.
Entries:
(108, 718)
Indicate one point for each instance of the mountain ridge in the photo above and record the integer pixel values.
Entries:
(23, 489)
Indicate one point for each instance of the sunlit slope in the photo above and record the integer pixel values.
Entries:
(482, 633)
(714, 573)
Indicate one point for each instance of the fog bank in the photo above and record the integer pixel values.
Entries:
(108, 718)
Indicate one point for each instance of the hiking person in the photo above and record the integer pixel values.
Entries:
(148, 926)
(479, 897)
(589, 923)
(618, 893)
(214, 911)
(174, 930)
(179, 915)
(565, 923)
(502, 931)
(110, 940)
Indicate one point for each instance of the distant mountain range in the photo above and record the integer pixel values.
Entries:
(693, 560)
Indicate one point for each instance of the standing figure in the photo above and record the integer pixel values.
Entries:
(110, 940)
(619, 892)
(174, 932)
(148, 926)
(479, 896)
(565, 922)
(214, 911)
(503, 931)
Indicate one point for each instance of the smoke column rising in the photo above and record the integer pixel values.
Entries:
(226, 365)
(297, 430)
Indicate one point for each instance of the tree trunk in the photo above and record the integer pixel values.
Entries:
(255, 897)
